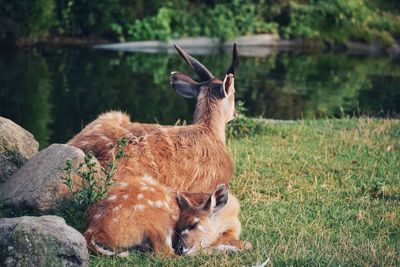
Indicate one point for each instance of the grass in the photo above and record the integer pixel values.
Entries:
(320, 192)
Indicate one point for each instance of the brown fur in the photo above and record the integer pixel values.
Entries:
(186, 158)
(141, 213)
(204, 227)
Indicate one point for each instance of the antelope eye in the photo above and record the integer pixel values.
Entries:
(191, 227)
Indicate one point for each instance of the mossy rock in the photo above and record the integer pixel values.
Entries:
(16, 147)
(41, 241)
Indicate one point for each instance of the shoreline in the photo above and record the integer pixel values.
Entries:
(251, 45)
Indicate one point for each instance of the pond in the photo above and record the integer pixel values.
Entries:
(54, 91)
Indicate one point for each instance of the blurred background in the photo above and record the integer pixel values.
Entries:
(338, 58)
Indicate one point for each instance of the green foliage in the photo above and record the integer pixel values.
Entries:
(331, 21)
(25, 19)
(342, 20)
(86, 17)
(243, 126)
(152, 28)
(94, 186)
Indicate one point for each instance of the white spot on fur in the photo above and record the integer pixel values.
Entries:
(150, 202)
(196, 220)
(112, 198)
(140, 196)
(122, 184)
(90, 230)
(125, 197)
(144, 188)
(138, 207)
(117, 208)
(158, 204)
(149, 179)
(152, 189)
(97, 216)
(115, 220)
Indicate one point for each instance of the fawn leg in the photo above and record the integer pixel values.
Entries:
(160, 245)
(230, 238)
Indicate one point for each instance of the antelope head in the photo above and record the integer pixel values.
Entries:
(210, 91)
(196, 227)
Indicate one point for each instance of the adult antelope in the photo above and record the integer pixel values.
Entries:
(186, 158)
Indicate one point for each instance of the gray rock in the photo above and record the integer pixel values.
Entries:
(38, 185)
(16, 146)
(255, 40)
(41, 241)
(361, 48)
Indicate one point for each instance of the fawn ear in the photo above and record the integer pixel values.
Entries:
(217, 200)
(184, 85)
(183, 202)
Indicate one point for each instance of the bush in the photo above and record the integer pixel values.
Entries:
(86, 17)
(341, 20)
(25, 19)
(243, 126)
(152, 28)
(94, 186)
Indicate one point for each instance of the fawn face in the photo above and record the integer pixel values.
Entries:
(195, 227)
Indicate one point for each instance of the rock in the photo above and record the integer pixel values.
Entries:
(16, 146)
(255, 40)
(38, 185)
(41, 241)
(362, 48)
(395, 49)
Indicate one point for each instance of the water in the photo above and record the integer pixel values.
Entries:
(53, 92)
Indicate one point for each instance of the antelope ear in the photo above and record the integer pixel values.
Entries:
(217, 200)
(184, 85)
(183, 202)
(228, 84)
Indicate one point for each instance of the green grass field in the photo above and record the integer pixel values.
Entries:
(323, 192)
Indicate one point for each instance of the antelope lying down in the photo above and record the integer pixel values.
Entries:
(142, 214)
(185, 158)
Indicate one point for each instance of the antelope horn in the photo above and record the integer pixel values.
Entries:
(199, 68)
(235, 60)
